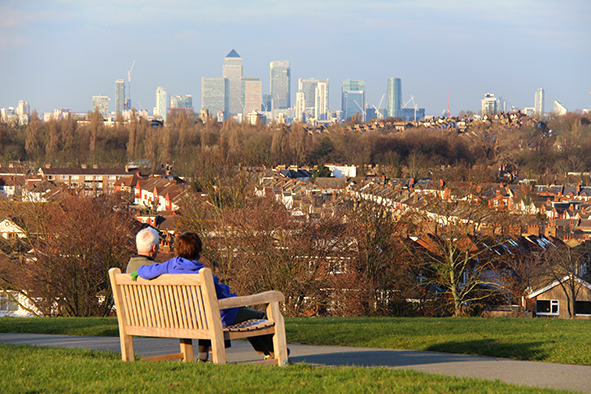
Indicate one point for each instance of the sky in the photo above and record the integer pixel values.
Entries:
(58, 54)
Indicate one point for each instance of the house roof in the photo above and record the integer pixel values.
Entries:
(556, 283)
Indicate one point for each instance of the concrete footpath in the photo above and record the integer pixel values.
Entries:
(576, 378)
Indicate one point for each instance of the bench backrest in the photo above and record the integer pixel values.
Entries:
(172, 305)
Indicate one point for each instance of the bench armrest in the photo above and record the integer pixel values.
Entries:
(265, 297)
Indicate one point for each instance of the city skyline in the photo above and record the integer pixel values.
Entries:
(60, 54)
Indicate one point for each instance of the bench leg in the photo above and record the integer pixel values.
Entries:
(279, 341)
(127, 348)
(187, 349)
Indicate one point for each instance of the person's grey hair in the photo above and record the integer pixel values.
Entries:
(145, 239)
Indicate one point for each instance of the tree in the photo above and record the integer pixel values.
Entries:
(567, 266)
(456, 257)
(70, 246)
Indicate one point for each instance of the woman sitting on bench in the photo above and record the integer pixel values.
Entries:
(188, 247)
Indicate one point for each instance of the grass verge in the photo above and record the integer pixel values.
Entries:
(549, 340)
(25, 369)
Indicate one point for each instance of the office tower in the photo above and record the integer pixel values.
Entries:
(539, 103)
(353, 98)
(252, 95)
(119, 96)
(280, 85)
(394, 98)
(214, 96)
(181, 102)
(266, 102)
(300, 107)
(321, 100)
(102, 104)
(559, 109)
(409, 114)
(233, 72)
(161, 101)
(313, 96)
(489, 104)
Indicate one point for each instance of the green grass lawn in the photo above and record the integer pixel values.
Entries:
(30, 369)
(549, 340)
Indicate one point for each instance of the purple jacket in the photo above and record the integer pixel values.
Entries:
(179, 265)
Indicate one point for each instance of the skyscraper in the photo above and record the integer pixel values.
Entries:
(102, 104)
(313, 96)
(489, 104)
(252, 95)
(280, 85)
(394, 97)
(321, 100)
(539, 104)
(161, 101)
(353, 98)
(214, 96)
(233, 72)
(119, 96)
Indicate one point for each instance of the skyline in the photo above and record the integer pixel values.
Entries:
(60, 54)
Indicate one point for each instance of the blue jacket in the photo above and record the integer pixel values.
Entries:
(179, 265)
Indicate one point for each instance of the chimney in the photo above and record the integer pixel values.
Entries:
(95, 166)
(84, 166)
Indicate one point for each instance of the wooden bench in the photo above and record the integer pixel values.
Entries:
(185, 306)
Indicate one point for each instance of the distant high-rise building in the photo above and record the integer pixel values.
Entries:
(252, 95)
(214, 96)
(101, 103)
(300, 107)
(321, 100)
(394, 97)
(119, 96)
(409, 114)
(183, 102)
(539, 103)
(559, 109)
(233, 72)
(161, 104)
(280, 85)
(353, 98)
(23, 111)
(489, 104)
(313, 98)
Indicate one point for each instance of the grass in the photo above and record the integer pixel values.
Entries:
(30, 369)
(549, 340)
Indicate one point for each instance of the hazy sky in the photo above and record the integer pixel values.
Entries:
(58, 54)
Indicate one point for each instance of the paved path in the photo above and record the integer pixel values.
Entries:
(575, 378)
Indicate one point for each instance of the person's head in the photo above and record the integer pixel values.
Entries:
(188, 245)
(147, 242)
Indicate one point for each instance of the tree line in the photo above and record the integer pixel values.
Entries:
(534, 149)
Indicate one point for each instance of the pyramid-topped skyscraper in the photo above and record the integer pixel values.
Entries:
(233, 72)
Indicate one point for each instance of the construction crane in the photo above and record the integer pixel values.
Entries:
(378, 113)
(363, 112)
(414, 104)
(129, 83)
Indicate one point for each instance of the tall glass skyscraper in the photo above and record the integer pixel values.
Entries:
(161, 101)
(119, 96)
(353, 98)
(280, 85)
(214, 96)
(394, 97)
(539, 103)
(233, 72)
